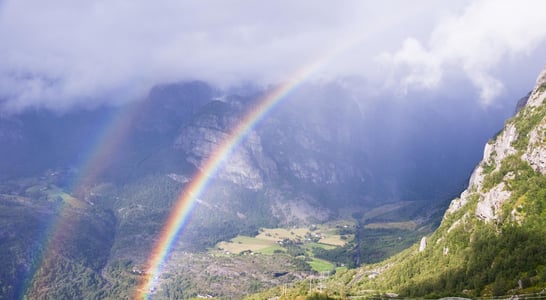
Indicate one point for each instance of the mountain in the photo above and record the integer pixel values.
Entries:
(85, 193)
(491, 239)
(322, 151)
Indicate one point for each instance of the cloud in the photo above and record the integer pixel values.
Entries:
(61, 53)
(64, 53)
(483, 36)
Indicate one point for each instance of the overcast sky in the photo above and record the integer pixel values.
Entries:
(64, 53)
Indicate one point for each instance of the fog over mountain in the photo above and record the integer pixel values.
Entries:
(420, 75)
(61, 54)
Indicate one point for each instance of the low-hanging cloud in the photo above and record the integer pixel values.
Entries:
(483, 36)
(61, 53)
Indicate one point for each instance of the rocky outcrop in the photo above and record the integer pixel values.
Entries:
(285, 149)
(536, 152)
(497, 150)
(458, 203)
(423, 244)
(247, 166)
(538, 94)
(491, 202)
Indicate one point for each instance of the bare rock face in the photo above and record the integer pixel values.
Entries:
(247, 166)
(458, 203)
(536, 152)
(502, 147)
(285, 148)
(423, 244)
(493, 155)
(488, 208)
(538, 94)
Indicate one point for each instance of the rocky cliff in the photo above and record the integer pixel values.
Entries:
(248, 166)
(491, 239)
(300, 154)
(524, 138)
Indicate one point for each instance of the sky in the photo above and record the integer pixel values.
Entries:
(62, 54)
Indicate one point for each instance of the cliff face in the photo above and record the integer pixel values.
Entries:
(248, 166)
(302, 157)
(318, 150)
(524, 138)
(491, 239)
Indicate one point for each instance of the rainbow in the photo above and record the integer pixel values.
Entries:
(183, 206)
(107, 140)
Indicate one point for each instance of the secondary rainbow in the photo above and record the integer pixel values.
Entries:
(97, 159)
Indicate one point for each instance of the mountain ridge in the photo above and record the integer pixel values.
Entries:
(307, 162)
(490, 242)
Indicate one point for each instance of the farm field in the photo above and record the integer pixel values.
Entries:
(278, 240)
(321, 265)
(245, 243)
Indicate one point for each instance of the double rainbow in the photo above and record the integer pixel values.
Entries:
(186, 200)
(115, 131)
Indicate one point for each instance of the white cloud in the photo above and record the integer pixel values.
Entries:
(485, 35)
(62, 53)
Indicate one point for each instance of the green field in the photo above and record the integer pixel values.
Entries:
(321, 265)
(243, 243)
(271, 250)
(270, 241)
(279, 234)
(325, 236)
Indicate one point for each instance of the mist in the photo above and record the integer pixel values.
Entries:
(62, 55)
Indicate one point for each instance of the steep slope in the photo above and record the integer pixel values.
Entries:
(315, 158)
(54, 245)
(491, 239)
